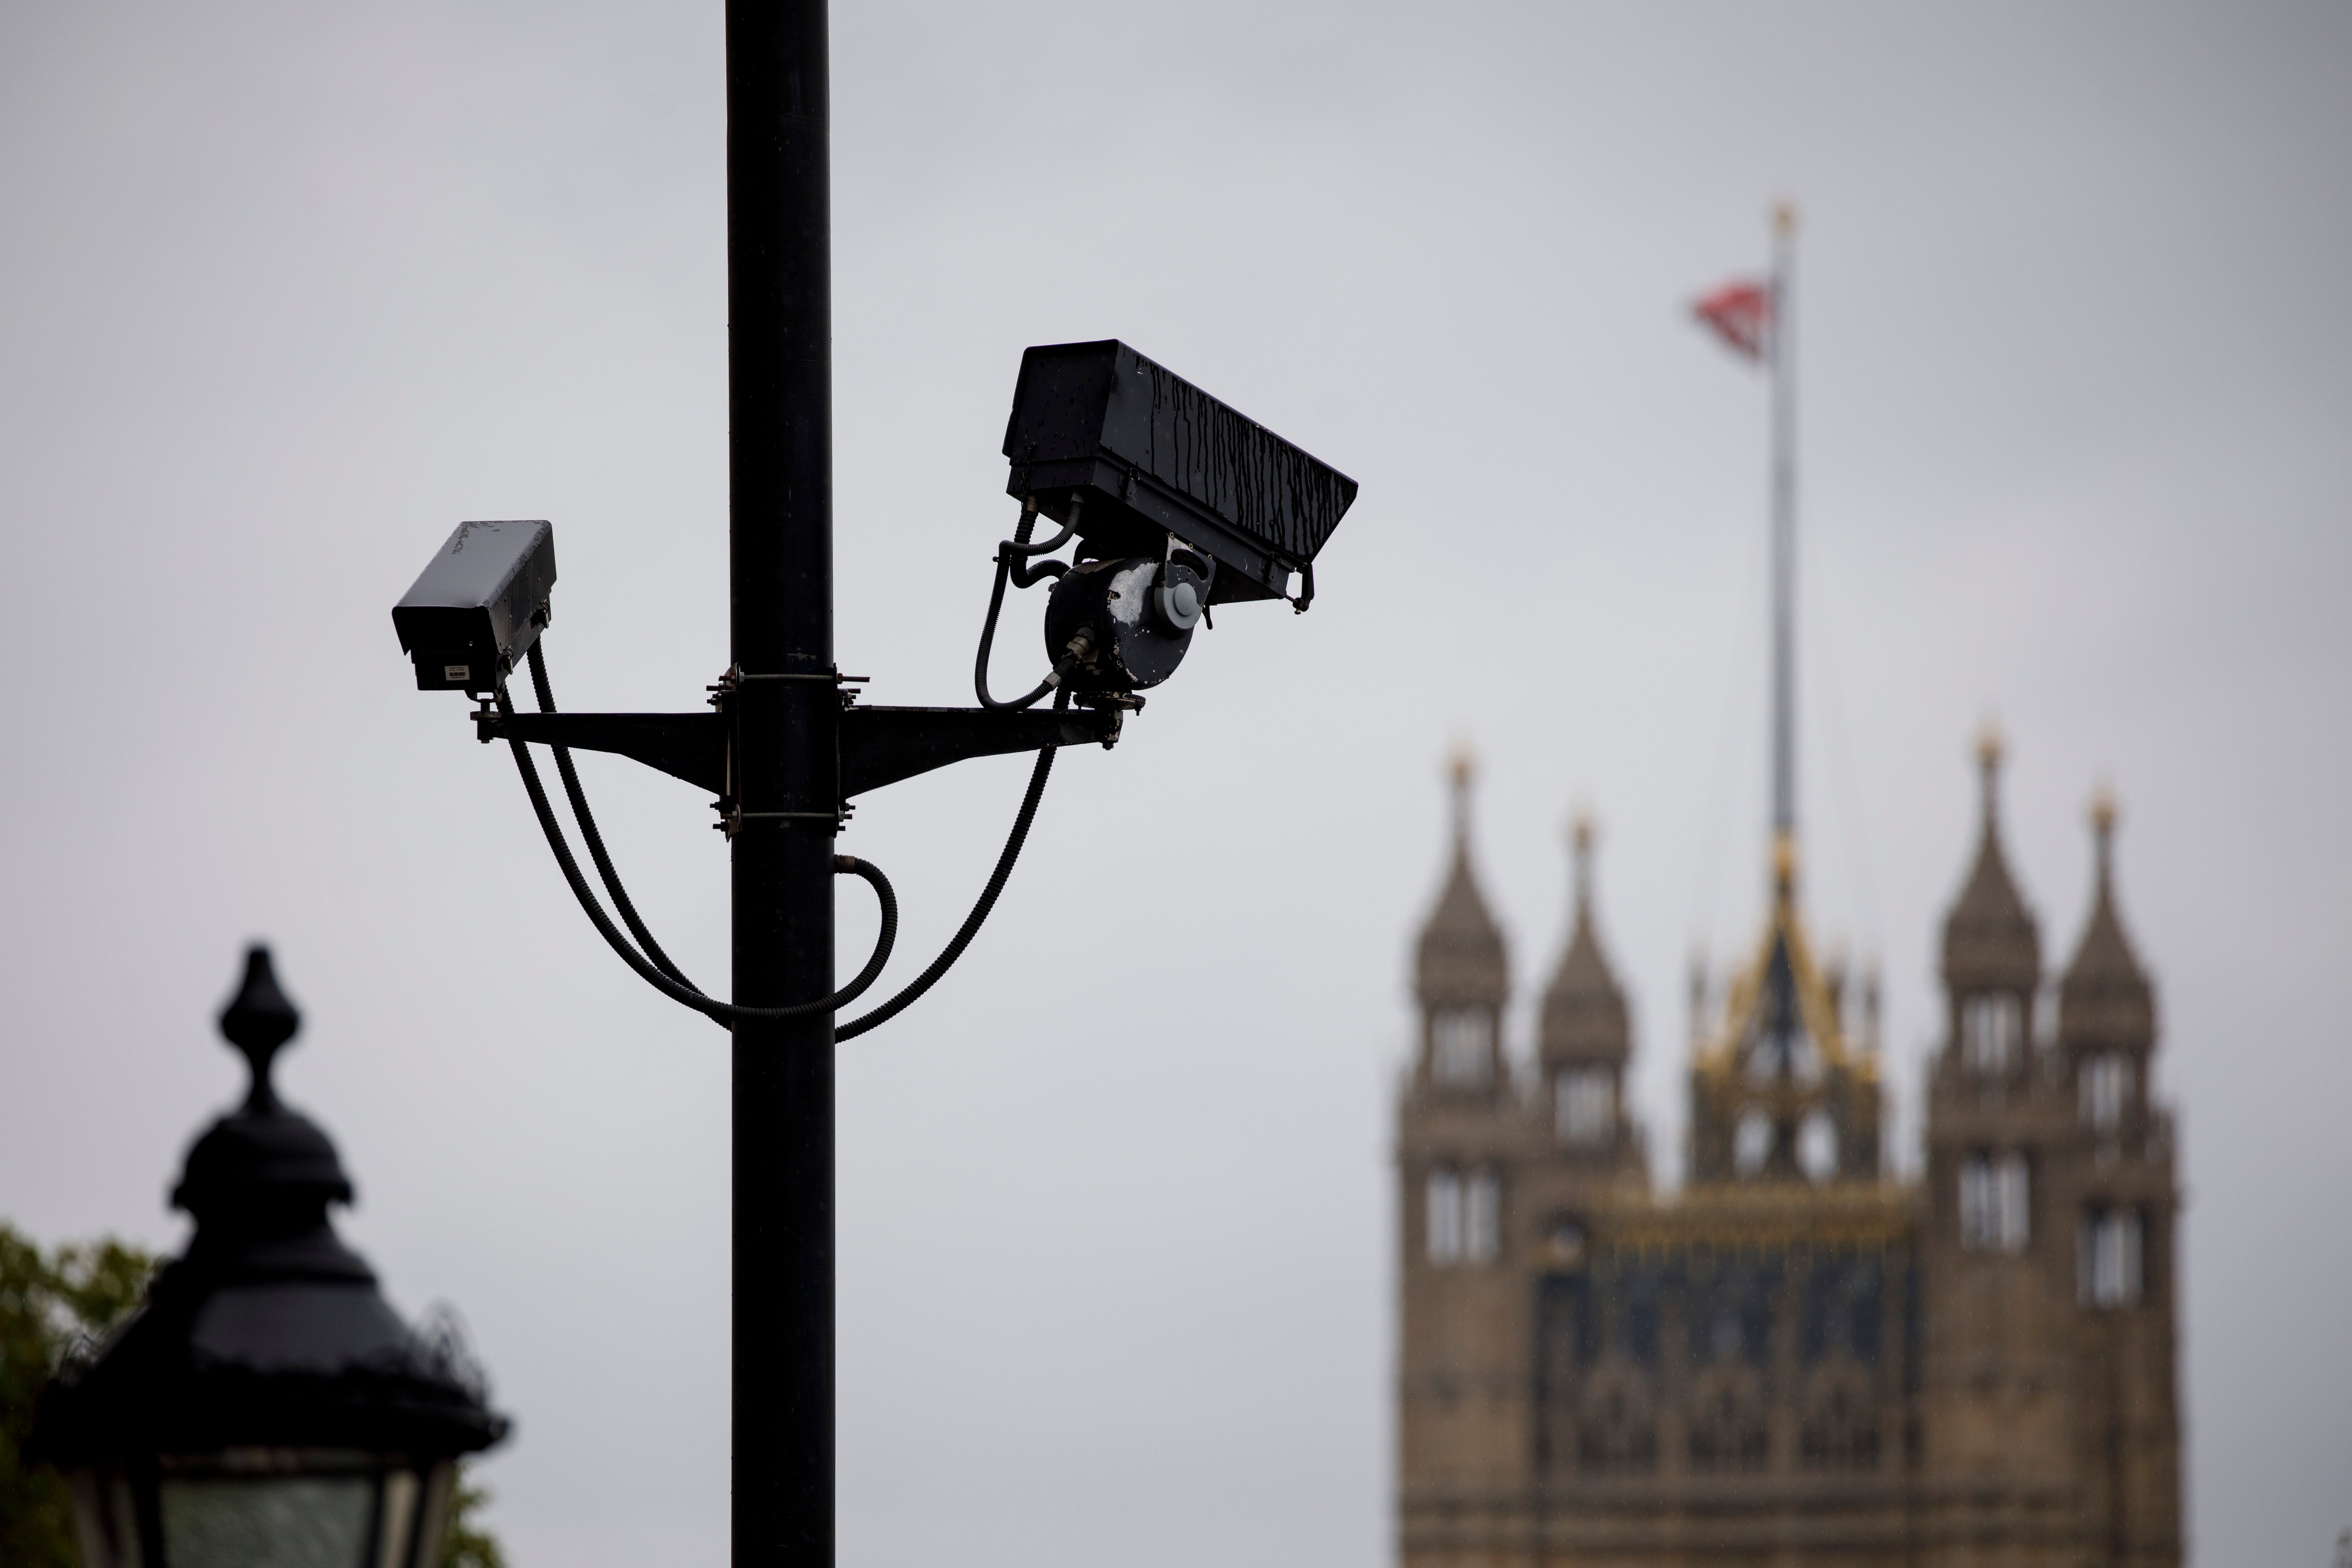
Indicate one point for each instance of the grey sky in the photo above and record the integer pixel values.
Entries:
(287, 290)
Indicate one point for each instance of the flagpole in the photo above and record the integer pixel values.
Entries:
(1781, 361)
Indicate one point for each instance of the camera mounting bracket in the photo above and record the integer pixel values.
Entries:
(878, 745)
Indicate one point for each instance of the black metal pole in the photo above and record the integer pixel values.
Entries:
(780, 371)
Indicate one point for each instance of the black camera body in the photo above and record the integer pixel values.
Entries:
(1136, 455)
(479, 603)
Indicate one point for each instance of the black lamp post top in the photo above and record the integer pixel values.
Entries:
(268, 1331)
(262, 1166)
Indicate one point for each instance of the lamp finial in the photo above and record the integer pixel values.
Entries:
(258, 1021)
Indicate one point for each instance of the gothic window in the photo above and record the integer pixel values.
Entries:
(1816, 1146)
(1615, 1432)
(1839, 1429)
(1729, 1311)
(1804, 1059)
(1751, 1141)
(2108, 1253)
(1843, 1313)
(1444, 1215)
(1465, 1215)
(2106, 1080)
(2012, 1185)
(1993, 1035)
(1728, 1427)
(1996, 1202)
(1586, 1107)
(1462, 1048)
(1976, 1200)
(1482, 1216)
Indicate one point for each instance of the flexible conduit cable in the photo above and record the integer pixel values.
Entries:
(622, 905)
(666, 977)
(954, 950)
(725, 1013)
(1006, 554)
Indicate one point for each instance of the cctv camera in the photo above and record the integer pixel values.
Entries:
(1134, 455)
(479, 604)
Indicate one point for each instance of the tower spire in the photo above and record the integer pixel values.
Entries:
(1781, 352)
(2104, 1000)
(1460, 771)
(1990, 940)
(1462, 961)
(1580, 843)
(1988, 750)
(2103, 833)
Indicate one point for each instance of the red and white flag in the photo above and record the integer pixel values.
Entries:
(1740, 312)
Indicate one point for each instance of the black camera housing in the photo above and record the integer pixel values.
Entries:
(1133, 453)
(479, 604)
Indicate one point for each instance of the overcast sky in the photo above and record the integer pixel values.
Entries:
(287, 290)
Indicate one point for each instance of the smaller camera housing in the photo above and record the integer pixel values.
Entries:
(1137, 614)
(479, 604)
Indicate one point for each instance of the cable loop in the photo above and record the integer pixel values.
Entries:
(1019, 546)
(664, 978)
(655, 967)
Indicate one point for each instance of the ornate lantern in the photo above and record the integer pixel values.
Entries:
(265, 1408)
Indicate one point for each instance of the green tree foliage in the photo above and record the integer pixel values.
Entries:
(46, 1302)
(468, 1545)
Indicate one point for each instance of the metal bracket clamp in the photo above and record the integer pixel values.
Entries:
(815, 810)
(879, 746)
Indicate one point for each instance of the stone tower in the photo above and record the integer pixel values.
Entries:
(1587, 1160)
(1461, 1397)
(1997, 1262)
(2118, 1186)
(1584, 1042)
(2047, 1389)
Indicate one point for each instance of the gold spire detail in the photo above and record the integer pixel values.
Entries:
(2103, 817)
(1715, 1052)
(2103, 837)
(1461, 771)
